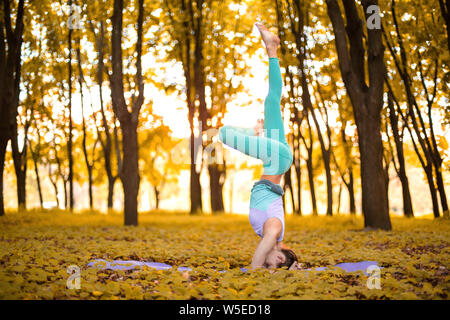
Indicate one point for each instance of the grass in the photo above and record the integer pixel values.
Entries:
(37, 248)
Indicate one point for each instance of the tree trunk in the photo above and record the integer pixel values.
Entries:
(19, 157)
(433, 192)
(54, 184)
(195, 186)
(367, 102)
(374, 195)
(441, 189)
(216, 178)
(106, 145)
(21, 188)
(156, 191)
(398, 140)
(199, 80)
(351, 193)
(288, 185)
(10, 73)
(311, 185)
(38, 182)
(326, 160)
(70, 138)
(130, 173)
(338, 210)
(20, 166)
(35, 154)
(299, 189)
(90, 185)
(63, 177)
(407, 201)
(111, 193)
(3, 144)
(386, 176)
(89, 165)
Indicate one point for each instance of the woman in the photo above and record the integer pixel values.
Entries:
(266, 205)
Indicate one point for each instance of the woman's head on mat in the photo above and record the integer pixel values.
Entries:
(278, 258)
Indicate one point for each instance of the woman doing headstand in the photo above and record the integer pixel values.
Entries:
(266, 206)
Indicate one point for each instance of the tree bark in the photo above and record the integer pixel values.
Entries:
(35, 156)
(401, 172)
(216, 178)
(70, 138)
(309, 165)
(89, 164)
(3, 145)
(311, 186)
(54, 183)
(367, 102)
(20, 166)
(155, 189)
(199, 84)
(288, 185)
(351, 193)
(129, 174)
(10, 61)
(338, 209)
(107, 143)
(19, 156)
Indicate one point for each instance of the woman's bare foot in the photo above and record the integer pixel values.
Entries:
(259, 127)
(270, 40)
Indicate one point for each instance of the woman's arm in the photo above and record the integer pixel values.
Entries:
(265, 245)
(271, 232)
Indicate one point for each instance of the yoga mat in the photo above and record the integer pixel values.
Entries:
(132, 264)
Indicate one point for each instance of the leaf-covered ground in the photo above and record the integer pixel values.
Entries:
(37, 248)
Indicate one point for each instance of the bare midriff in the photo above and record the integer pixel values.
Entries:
(274, 178)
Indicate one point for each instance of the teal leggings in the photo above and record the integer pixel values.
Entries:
(273, 148)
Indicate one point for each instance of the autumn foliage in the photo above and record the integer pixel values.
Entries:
(37, 248)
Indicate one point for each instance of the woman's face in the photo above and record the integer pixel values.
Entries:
(274, 258)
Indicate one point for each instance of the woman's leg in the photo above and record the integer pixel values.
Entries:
(273, 149)
(273, 122)
(244, 131)
(276, 156)
(245, 141)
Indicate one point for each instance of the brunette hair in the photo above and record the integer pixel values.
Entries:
(291, 257)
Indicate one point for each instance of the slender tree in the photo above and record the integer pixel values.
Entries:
(105, 135)
(399, 165)
(69, 107)
(129, 121)
(89, 162)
